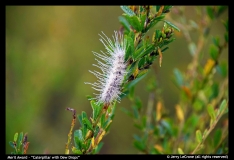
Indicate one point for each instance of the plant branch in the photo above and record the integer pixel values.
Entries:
(209, 130)
(71, 129)
(104, 110)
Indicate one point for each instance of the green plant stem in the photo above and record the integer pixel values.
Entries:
(209, 130)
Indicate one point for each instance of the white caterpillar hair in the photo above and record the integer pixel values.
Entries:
(113, 69)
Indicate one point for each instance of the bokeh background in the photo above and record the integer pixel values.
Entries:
(48, 55)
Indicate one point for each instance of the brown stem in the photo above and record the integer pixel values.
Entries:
(71, 129)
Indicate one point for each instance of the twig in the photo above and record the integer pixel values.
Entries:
(71, 129)
(25, 143)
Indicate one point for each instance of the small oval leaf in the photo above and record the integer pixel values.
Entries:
(199, 136)
(172, 25)
(15, 137)
(211, 112)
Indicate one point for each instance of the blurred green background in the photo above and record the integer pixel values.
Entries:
(48, 55)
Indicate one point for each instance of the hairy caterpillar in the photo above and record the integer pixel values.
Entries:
(113, 69)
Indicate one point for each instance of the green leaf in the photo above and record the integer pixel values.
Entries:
(127, 112)
(112, 110)
(166, 42)
(19, 142)
(155, 21)
(217, 137)
(178, 77)
(76, 151)
(140, 53)
(199, 136)
(78, 139)
(89, 125)
(107, 123)
(141, 63)
(164, 49)
(216, 41)
(211, 112)
(136, 137)
(131, 68)
(96, 109)
(167, 8)
(198, 104)
(127, 10)
(157, 8)
(98, 148)
(130, 47)
(150, 59)
(142, 73)
(139, 145)
(12, 144)
(131, 92)
(84, 115)
(124, 22)
(167, 125)
(193, 24)
(226, 110)
(158, 34)
(135, 112)
(124, 93)
(103, 120)
(144, 121)
(210, 12)
(192, 48)
(89, 97)
(225, 23)
(15, 137)
(141, 9)
(131, 34)
(136, 24)
(84, 130)
(215, 91)
(172, 25)
(222, 69)
(138, 126)
(143, 17)
(88, 144)
(80, 119)
(135, 81)
(205, 132)
(221, 9)
(191, 123)
(214, 52)
(180, 151)
(137, 52)
(222, 106)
